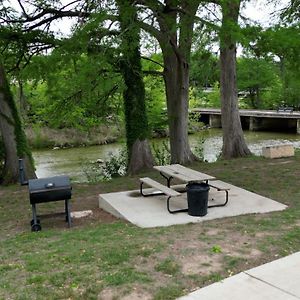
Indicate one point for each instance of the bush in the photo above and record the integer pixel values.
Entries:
(214, 98)
(161, 153)
(114, 166)
(199, 148)
(92, 171)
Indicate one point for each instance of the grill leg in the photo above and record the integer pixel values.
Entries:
(34, 217)
(68, 213)
(35, 225)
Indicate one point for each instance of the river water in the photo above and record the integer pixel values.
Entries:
(72, 161)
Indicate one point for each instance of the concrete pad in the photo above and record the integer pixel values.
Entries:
(277, 280)
(239, 287)
(152, 211)
(283, 273)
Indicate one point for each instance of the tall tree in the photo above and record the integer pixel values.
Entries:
(174, 33)
(283, 43)
(137, 129)
(134, 94)
(234, 144)
(255, 75)
(14, 46)
(14, 139)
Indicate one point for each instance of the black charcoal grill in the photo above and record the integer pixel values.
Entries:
(47, 190)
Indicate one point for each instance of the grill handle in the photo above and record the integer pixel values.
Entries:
(22, 172)
(49, 185)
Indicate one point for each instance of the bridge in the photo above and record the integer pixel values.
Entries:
(254, 119)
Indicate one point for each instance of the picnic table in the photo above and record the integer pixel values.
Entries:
(182, 173)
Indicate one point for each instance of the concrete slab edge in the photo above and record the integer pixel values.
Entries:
(109, 208)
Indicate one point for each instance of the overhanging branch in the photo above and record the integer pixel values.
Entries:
(155, 62)
(156, 73)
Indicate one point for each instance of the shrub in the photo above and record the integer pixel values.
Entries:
(199, 148)
(161, 153)
(114, 166)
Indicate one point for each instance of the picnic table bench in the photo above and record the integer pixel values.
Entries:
(163, 190)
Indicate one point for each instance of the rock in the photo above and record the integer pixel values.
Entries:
(81, 214)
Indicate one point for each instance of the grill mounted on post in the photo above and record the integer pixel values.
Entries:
(47, 190)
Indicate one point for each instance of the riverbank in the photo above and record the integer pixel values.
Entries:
(49, 138)
(76, 161)
(101, 257)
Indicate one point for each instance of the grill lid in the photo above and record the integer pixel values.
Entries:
(48, 184)
(49, 189)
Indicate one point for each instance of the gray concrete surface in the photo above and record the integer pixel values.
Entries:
(152, 211)
(277, 280)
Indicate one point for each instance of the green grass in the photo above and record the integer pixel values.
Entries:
(168, 266)
(95, 256)
(169, 292)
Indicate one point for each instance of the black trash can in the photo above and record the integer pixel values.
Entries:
(197, 197)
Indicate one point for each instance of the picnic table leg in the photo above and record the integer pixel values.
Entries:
(168, 179)
(219, 205)
(174, 211)
(148, 195)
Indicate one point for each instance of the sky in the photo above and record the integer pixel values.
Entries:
(261, 10)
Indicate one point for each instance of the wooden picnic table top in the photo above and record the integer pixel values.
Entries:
(183, 173)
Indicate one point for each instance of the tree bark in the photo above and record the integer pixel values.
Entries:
(176, 75)
(234, 144)
(13, 136)
(137, 129)
(141, 157)
(175, 41)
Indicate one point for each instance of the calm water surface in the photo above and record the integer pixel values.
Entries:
(71, 161)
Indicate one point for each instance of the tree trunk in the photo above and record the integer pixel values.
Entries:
(234, 144)
(141, 157)
(176, 75)
(137, 129)
(175, 41)
(13, 136)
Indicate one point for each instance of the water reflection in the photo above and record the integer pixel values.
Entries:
(71, 161)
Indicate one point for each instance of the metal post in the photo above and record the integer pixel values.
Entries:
(22, 172)
(68, 214)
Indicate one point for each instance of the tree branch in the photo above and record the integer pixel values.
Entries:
(156, 62)
(156, 73)
(152, 30)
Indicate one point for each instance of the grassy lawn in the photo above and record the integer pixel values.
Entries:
(101, 257)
